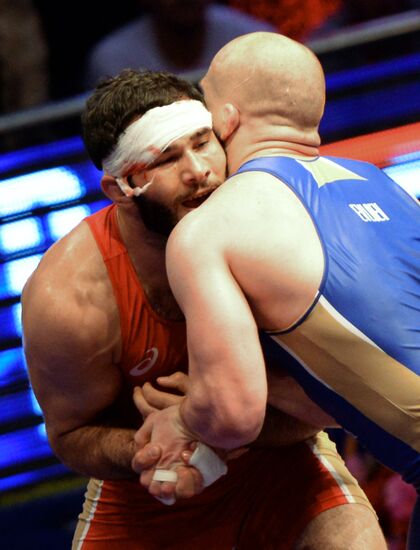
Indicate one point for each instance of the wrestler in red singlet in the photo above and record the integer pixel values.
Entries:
(267, 497)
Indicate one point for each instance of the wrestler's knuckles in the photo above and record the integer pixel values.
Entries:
(190, 482)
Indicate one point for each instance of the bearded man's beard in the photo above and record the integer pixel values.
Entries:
(156, 216)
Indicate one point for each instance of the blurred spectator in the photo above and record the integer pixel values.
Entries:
(71, 30)
(180, 36)
(392, 498)
(23, 57)
(307, 19)
(358, 11)
(294, 18)
(399, 500)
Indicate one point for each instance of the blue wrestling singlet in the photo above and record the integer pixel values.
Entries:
(357, 350)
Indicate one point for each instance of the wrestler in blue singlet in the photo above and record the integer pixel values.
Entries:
(357, 350)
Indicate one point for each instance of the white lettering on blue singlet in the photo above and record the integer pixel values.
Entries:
(369, 212)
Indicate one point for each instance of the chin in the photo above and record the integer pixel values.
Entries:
(186, 210)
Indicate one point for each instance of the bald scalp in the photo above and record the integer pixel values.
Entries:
(269, 75)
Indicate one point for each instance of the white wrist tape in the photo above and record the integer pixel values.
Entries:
(208, 464)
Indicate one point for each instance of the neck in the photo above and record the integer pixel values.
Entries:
(242, 148)
(135, 234)
(147, 254)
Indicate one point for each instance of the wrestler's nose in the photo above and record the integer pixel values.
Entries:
(195, 169)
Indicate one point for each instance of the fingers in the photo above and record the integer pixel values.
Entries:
(163, 490)
(143, 435)
(178, 381)
(158, 399)
(187, 454)
(236, 453)
(145, 458)
(189, 484)
(164, 429)
(142, 403)
(149, 399)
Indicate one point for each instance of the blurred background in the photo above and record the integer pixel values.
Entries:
(51, 54)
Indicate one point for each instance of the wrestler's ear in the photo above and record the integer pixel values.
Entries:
(230, 121)
(112, 190)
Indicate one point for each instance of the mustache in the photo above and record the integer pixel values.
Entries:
(198, 194)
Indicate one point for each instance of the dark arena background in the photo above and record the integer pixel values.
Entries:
(48, 185)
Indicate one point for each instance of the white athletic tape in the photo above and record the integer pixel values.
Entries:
(208, 464)
(129, 191)
(165, 475)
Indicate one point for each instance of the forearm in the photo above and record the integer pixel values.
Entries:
(281, 429)
(97, 451)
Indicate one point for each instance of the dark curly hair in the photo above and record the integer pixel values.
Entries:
(117, 101)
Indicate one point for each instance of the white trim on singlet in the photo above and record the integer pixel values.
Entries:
(92, 511)
(336, 475)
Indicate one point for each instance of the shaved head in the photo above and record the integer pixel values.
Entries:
(269, 76)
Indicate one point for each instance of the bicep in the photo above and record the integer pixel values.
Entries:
(223, 343)
(72, 380)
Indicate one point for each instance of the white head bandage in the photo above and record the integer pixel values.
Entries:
(145, 139)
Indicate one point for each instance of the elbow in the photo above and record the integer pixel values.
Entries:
(59, 447)
(237, 428)
(65, 447)
(226, 424)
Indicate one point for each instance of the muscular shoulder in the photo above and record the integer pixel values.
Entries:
(242, 210)
(247, 215)
(256, 229)
(68, 299)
